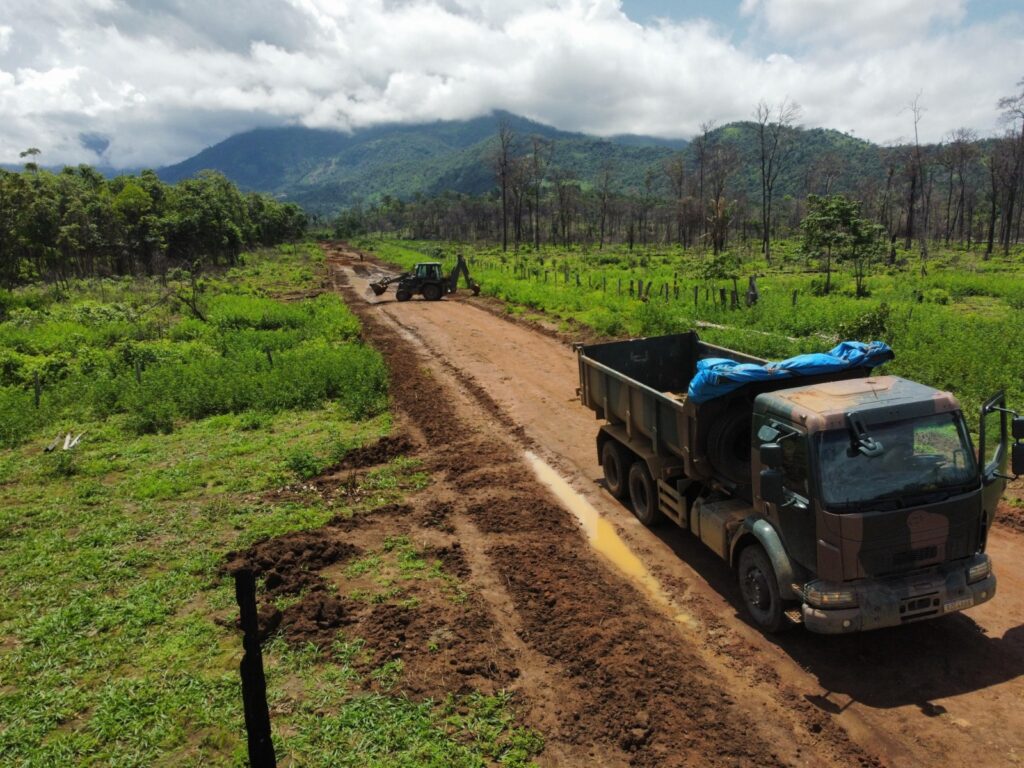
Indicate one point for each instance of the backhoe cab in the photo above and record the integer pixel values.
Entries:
(426, 279)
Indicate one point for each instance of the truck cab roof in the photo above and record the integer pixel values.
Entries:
(825, 405)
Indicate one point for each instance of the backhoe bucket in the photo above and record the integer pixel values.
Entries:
(378, 288)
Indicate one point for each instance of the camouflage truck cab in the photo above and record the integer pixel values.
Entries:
(882, 511)
(844, 501)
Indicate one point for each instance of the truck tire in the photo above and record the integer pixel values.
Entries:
(644, 494)
(729, 445)
(402, 295)
(760, 589)
(432, 292)
(615, 463)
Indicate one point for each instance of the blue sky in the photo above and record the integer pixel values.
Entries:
(727, 15)
(149, 82)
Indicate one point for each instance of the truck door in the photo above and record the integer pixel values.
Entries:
(992, 456)
(794, 520)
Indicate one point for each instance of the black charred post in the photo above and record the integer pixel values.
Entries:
(254, 682)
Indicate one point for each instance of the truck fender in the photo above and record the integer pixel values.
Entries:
(760, 530)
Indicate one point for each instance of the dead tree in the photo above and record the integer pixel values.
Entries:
(773, 126)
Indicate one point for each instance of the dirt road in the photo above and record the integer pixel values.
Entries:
(669, 650)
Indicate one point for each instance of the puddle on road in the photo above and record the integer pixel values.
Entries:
(603, 538)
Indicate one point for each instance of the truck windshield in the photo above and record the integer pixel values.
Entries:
(923, 457)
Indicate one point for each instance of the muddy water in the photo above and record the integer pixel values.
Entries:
(603, 537)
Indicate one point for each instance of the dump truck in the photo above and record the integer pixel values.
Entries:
(844, 501)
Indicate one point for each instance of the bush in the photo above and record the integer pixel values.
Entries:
(303, 463)
(18, 416)
(151, 417)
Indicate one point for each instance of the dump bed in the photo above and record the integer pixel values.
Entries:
(640, 385)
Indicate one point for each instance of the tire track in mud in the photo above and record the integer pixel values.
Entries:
(613, 674)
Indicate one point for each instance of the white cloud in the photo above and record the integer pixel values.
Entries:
(161, 83)
(860, 24)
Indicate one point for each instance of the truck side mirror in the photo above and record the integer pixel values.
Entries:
(1017, 428)
(771, 455)
(1017, 459)
(772, 489)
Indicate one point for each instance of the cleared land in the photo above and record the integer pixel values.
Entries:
(922, 694)
(428, 600)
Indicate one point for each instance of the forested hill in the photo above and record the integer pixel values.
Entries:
(325, 171)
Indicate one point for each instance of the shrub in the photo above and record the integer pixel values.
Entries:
(303, 463)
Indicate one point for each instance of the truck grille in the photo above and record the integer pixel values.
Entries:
(901, 559)
(920, 607)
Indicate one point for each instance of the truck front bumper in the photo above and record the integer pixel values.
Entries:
(893, 602)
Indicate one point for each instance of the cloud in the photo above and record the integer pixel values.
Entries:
(857, 25)
(161, 80)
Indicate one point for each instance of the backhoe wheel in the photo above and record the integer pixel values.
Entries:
(644, 494)
(615, 465)
(760, 589)
(432, 292)
(402, 295)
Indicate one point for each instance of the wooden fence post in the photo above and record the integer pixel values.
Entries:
(254, 682)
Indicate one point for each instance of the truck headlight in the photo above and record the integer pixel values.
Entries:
(979, 570)
(823, 595)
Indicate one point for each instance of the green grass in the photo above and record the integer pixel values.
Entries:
(129, 347)
(116, 638)
(957, 328)
(332, 725)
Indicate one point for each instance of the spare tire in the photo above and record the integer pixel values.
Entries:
(729, 445)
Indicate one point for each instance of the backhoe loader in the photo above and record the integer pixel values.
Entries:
(426, 279)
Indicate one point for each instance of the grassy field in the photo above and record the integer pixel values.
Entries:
(117, 638)
(957, 328)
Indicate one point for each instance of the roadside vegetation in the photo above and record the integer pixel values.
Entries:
(197, 401)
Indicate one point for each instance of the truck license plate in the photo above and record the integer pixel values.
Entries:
(958, 605)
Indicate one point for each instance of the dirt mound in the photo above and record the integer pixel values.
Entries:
(376, 453)
(288, 563)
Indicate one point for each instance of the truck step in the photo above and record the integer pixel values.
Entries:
(795, 615)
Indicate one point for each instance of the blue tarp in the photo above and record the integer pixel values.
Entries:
(717, 376)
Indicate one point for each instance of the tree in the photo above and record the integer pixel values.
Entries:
(834, 228)
(604, 196)
(540, 155)
(675, 171)
(722, 163)
(503, 170)
(1013, 110)
(772, 128)
(702, 157)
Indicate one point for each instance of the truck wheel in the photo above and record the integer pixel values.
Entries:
(760, 589)
(644, 494)
(402, 295)
(614, 463)
(432, 292)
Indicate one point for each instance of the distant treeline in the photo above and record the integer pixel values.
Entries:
(77, 223)
(748, 182)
